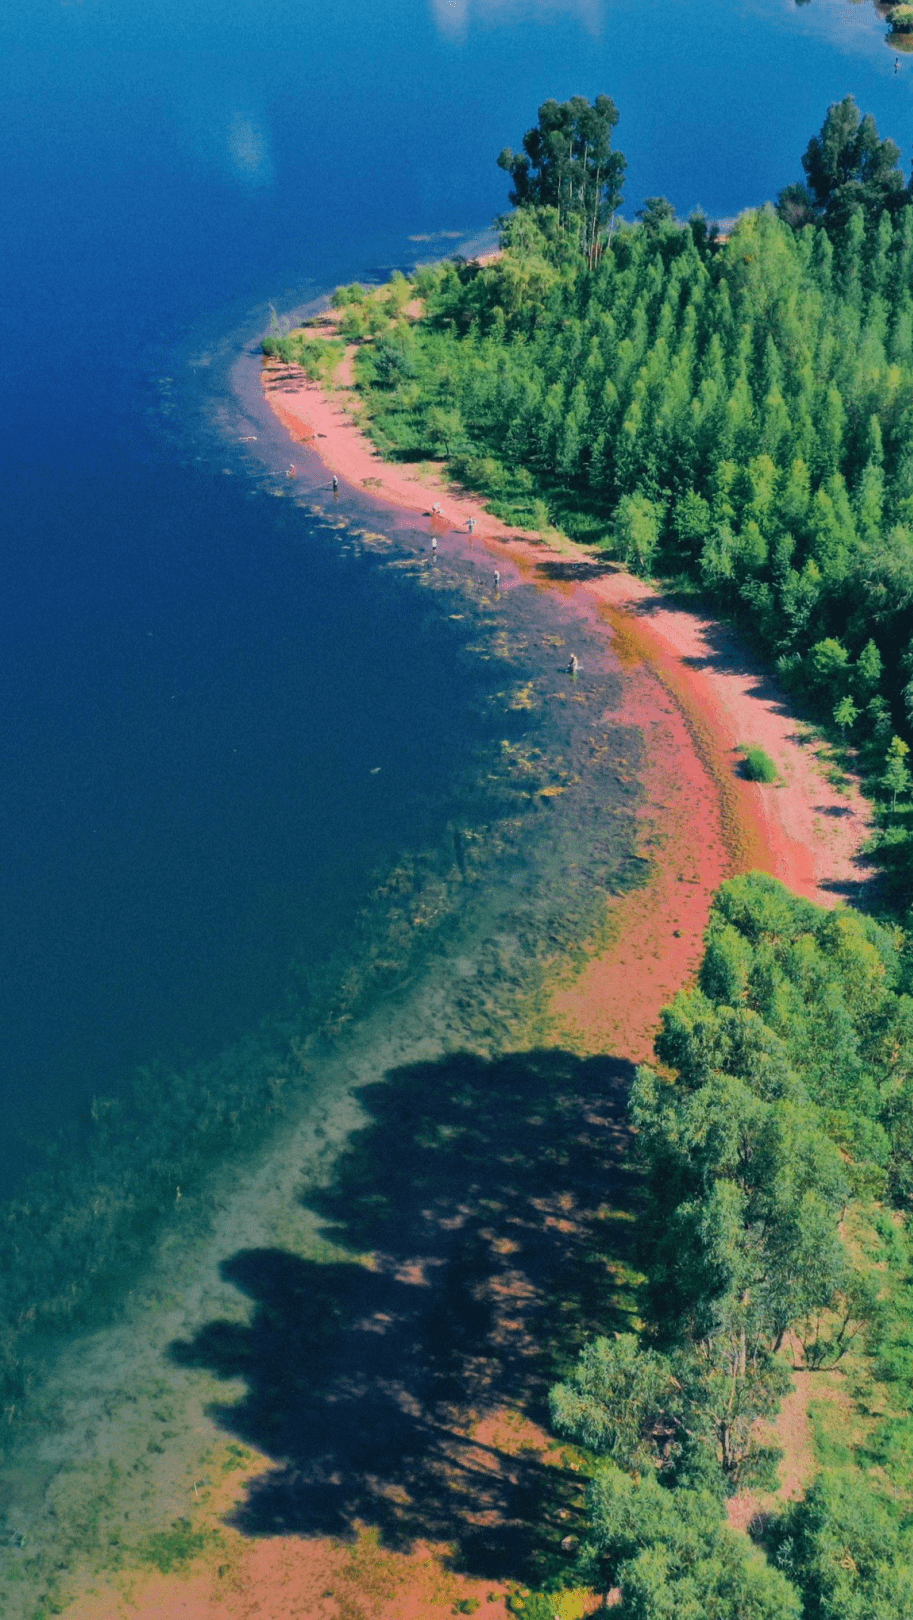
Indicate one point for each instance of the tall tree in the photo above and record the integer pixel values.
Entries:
(846, 167)
(568, 163)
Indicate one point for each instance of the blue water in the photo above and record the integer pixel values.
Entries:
(191, 701)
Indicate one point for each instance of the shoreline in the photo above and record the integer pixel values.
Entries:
(691, 694)
(727, 697)
(804, 830)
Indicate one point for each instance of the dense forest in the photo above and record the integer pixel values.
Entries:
(734, 412)
(731, 411)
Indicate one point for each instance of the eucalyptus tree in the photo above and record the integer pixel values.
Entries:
(568, 163)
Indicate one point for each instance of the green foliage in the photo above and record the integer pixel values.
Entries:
(847, 168)
(317, 357)
(759, 767)
(674, 1558)
(168, 1550)
(901, 20)
(896, 778)
(845, 714)
(637, 530)
(617, 1401)
(849, 1552)
(740, 410)
(828, 986)
(567, 163)
(787, 1083)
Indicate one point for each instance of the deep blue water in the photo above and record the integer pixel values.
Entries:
(191, 702)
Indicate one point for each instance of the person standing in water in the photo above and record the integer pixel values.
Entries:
(497, 580)
(335, 485)
(434, 545)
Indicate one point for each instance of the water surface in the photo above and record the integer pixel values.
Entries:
(192, 704)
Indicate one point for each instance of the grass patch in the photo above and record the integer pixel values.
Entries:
(758, 766)
(168, 1550)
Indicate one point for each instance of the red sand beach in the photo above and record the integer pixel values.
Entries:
(696, 696)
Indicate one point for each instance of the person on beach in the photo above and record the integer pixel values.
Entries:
(497, 580)
(472, 525)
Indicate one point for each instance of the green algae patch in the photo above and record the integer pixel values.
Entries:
(172, 1550)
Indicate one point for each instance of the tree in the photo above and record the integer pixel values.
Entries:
(568, 163)
(896, 778)
(847, 167)
(869, 667)
(828, 663)
(617, 1402)
(637, 523)
(674, 1558)
(845, 714)
(844, 1546)
(445, 427)
(656, 215)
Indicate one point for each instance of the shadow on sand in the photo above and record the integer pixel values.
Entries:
(485, 1209)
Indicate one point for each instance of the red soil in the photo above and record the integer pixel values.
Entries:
(697, 696)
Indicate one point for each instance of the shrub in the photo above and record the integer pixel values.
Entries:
(758, 766)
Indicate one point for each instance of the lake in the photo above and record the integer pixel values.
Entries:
(230, 720)
(171, 740)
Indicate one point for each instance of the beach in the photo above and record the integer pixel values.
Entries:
(403, 1528)
(692, 687)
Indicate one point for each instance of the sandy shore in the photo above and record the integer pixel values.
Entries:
(692, 693)
(692, 688)
(803, 831)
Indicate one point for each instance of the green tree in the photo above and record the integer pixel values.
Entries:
(617, 1402)
(846, 1550)
(674, 1558)
(869, 667)
(896, 778)
(445, 427)
(846, 167)
(845, 714)
(656, 215)
(567, 163)
(637, 526)
(828, 664)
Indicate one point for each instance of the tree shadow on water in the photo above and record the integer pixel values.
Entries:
(485, 1207)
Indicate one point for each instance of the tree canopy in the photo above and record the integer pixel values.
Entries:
(740, 409)
(847, 167)
(567, 163)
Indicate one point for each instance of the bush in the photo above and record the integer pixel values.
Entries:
(758, 766)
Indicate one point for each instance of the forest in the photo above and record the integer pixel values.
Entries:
(774, 1141)
(730, 411)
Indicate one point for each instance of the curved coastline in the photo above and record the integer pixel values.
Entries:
(691, 687)
(693, 694)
